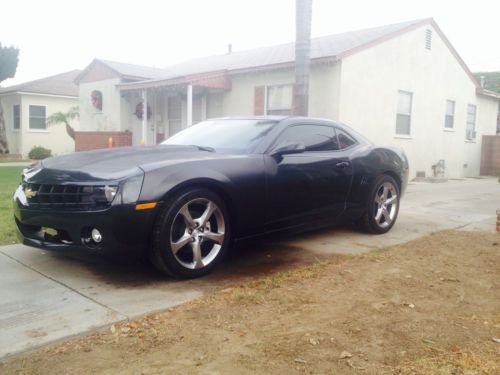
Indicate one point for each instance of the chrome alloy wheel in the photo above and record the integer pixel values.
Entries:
(385, 205)
(197, 233)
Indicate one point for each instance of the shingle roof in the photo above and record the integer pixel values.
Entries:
(321, 47)
(59, 84)
(132, 70)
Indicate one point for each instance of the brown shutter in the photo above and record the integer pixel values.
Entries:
(259, 100)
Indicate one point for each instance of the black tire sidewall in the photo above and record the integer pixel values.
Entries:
(162, 240)
(374, 227)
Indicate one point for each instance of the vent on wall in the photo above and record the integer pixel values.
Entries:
(428, 38)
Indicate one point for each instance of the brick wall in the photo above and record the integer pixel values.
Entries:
(85, 141)
(490, 155)
(10, 156)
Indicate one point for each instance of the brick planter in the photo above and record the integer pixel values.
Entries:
(85, 141)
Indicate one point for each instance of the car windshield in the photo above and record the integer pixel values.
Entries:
(224, 135)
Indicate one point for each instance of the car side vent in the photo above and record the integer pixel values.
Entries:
(428, 39)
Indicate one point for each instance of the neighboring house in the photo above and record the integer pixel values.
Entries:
(402, 85)
(26, 108)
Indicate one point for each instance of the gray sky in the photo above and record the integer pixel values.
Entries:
(60, 35)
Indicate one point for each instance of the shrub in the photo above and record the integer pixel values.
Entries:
(39, 153)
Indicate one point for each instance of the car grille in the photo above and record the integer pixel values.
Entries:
(65, 196)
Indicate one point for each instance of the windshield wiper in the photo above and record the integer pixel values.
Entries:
(204, 148)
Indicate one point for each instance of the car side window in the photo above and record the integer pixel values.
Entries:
(345, 140)
(314, 137)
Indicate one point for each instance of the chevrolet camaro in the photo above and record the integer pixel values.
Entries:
(184, 202)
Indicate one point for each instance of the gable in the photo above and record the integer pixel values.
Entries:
(96, 71)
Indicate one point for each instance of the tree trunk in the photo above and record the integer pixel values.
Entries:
(303, 9)
(70, 130)
(4, 147)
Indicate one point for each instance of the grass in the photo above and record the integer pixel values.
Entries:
(9, 180)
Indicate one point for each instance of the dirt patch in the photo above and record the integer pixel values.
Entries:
(431, 306)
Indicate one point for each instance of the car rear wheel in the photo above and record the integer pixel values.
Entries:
(192, 234)
(382, 206)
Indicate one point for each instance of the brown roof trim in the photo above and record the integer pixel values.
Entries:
(202, 79)
(488, 93)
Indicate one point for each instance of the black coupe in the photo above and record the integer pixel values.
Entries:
(184, 201)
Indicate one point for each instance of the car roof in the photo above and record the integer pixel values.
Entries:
(276, 118)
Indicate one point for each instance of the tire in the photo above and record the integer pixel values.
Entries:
(191, 235)
(381, 211)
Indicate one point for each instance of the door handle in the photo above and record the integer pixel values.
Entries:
(343, 164)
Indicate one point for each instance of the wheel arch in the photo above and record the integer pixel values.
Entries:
(395, 176)
(215, 186)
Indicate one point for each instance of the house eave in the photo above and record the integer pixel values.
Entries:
(487, 93)
(38, 94)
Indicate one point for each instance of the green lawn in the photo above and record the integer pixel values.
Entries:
(9, 180)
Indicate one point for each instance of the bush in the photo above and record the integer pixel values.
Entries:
(39, 153)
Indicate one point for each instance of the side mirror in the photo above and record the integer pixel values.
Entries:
(288, 148)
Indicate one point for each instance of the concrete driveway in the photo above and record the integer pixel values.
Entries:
(45, 297)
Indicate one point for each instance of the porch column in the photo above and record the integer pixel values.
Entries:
(189, 117)
(144, 116)
(204, 107)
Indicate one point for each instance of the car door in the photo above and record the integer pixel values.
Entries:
(311, 184)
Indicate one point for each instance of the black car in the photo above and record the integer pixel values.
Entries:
(184, 201)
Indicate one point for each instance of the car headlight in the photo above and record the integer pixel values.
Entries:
(110, 192)
(131, 189)
(99, 194)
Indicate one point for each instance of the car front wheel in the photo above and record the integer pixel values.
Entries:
(192, 234)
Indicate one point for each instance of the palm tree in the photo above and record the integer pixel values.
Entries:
(9, 57)
(303, 9)
(64, 118)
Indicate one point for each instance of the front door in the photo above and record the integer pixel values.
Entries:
(308, 185)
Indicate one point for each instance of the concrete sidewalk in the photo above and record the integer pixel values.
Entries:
(46, 297)
(16, 164)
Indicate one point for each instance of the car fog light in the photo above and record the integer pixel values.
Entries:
(96, 235)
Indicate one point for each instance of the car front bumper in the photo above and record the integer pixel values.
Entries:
(123, 229)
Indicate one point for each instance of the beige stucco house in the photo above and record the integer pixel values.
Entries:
(401, 84)
(26, 107)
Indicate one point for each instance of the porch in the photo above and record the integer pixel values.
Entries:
(158, 109)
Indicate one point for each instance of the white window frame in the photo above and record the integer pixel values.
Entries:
(266, 97)
(473, 135)
(35, 130)
(14, 129)
(452, 128)
(404, 135)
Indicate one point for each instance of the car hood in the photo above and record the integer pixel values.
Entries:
(114, 164)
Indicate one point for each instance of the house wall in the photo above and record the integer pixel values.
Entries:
(113, 105)
(54, 137)
(13, 136)
(323, 90)
(370, 80)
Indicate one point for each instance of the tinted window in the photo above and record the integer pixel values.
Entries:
(345, 140)
(314, 137)
(233, 135)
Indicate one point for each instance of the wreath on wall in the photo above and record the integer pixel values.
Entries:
(139, 111)
(96, 99)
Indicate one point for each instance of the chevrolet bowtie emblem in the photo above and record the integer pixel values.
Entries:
(29, 193)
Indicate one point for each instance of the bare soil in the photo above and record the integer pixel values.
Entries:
(431, 306)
